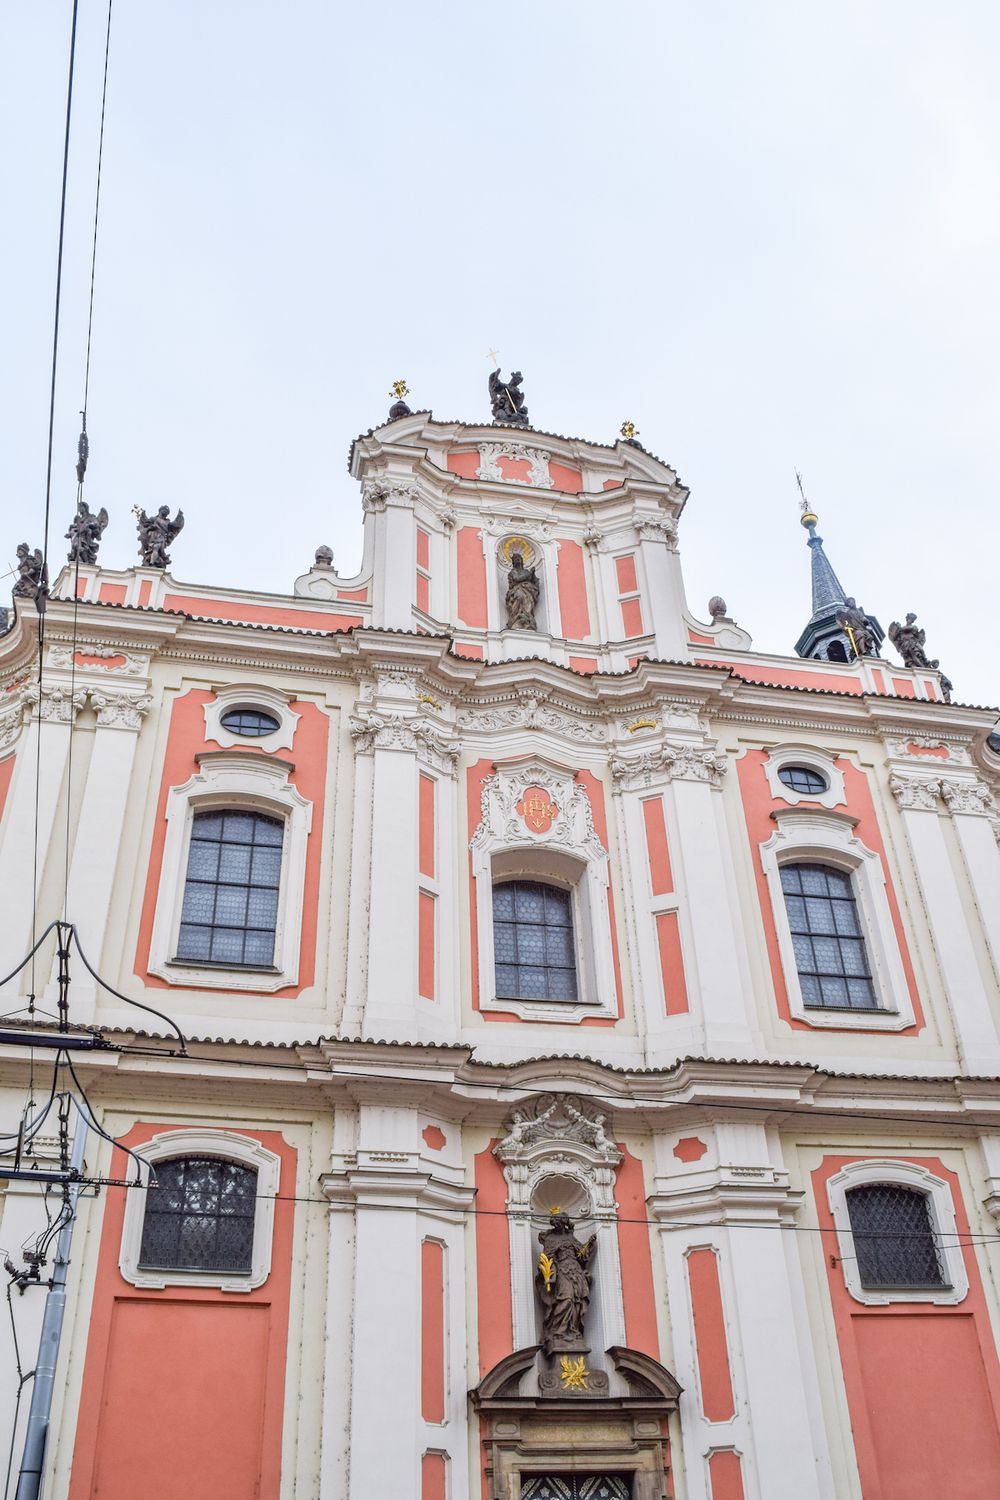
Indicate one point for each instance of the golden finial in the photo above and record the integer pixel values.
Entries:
(399, 389)
(629, 431)
(137, 511)
(494, 356)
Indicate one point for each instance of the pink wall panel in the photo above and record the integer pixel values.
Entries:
(432, 1331)
(471, 578)
(710, 1335)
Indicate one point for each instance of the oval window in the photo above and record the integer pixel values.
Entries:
(803, 779)
(253, 723)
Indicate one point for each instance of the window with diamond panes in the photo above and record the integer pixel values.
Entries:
(533, 941)
(230, 908)
(830, 953)
(894, 1238)
(200, 1217)
(803, 779)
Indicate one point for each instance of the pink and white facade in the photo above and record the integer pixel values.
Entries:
(386, 1077)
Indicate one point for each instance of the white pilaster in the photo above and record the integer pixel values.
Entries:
(52, 719)
(705, 878)
(388, 1186)
(99, 834)
(770, 1358)
(664, 587)
(971, 1009)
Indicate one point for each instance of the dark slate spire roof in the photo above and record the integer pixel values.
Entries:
(827, 589)
(823, 638)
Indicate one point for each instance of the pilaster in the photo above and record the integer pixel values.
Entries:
(922, 802)
(736, 1205)
(393, 1189)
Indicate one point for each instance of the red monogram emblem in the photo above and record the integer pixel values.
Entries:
(536, 809)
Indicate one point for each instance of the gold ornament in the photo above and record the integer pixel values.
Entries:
(629, 431)
(573, 1373)
(399, 389)
(548, 1269)
(517, 544)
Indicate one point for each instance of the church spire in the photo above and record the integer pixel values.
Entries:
(824, 638)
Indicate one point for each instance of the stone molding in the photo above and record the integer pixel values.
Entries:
(658, 528)
(925, 794)
(572, 825)
(121, 710)
(373, 731)
(665, 763)
(538, 459)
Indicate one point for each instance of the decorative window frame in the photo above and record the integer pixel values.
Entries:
(804, 834)
(814, 760)
(568, 853)
(941, 1204)
(251, 695)
(227, 1146)
(255, 782)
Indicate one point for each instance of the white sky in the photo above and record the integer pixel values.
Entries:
(767, 232)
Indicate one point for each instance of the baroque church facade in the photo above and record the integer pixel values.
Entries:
(592, 1023)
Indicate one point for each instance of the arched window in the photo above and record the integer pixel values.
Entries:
(894, 1238)
(829, 946)
(200, 1217)
(836, 651)
(533, 941)
(230, 909)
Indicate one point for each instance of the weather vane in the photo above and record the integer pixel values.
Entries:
(804, 505)
(629, 431)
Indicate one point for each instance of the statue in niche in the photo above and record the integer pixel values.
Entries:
(507, 400)
(563, 1282)
(31, 582)
(85, 532)
(155, 535)
(909, 642)
(854, 623)
(523, 590)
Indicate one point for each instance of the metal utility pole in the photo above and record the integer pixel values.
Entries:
(29, 1479)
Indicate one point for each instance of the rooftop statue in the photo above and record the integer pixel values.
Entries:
(523, 590)
(156, 534)
(507, 400)
(563, 1284)
(85, 532)
(31, 583)
(909, 642)
(854, 622)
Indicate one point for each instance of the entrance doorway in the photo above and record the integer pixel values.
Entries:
(575, 1487)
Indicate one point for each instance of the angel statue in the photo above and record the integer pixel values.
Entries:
(523, 590)
(563, 1285)
(31, 582)
(155, 535)
(909, 642)
(507, 400)
(85, 532)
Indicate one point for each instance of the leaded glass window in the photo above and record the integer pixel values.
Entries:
(894, 1237)
(829, 946)
(252, 723)
(230, 909)
(533, 941)
(200, 1217)
(803, 779)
